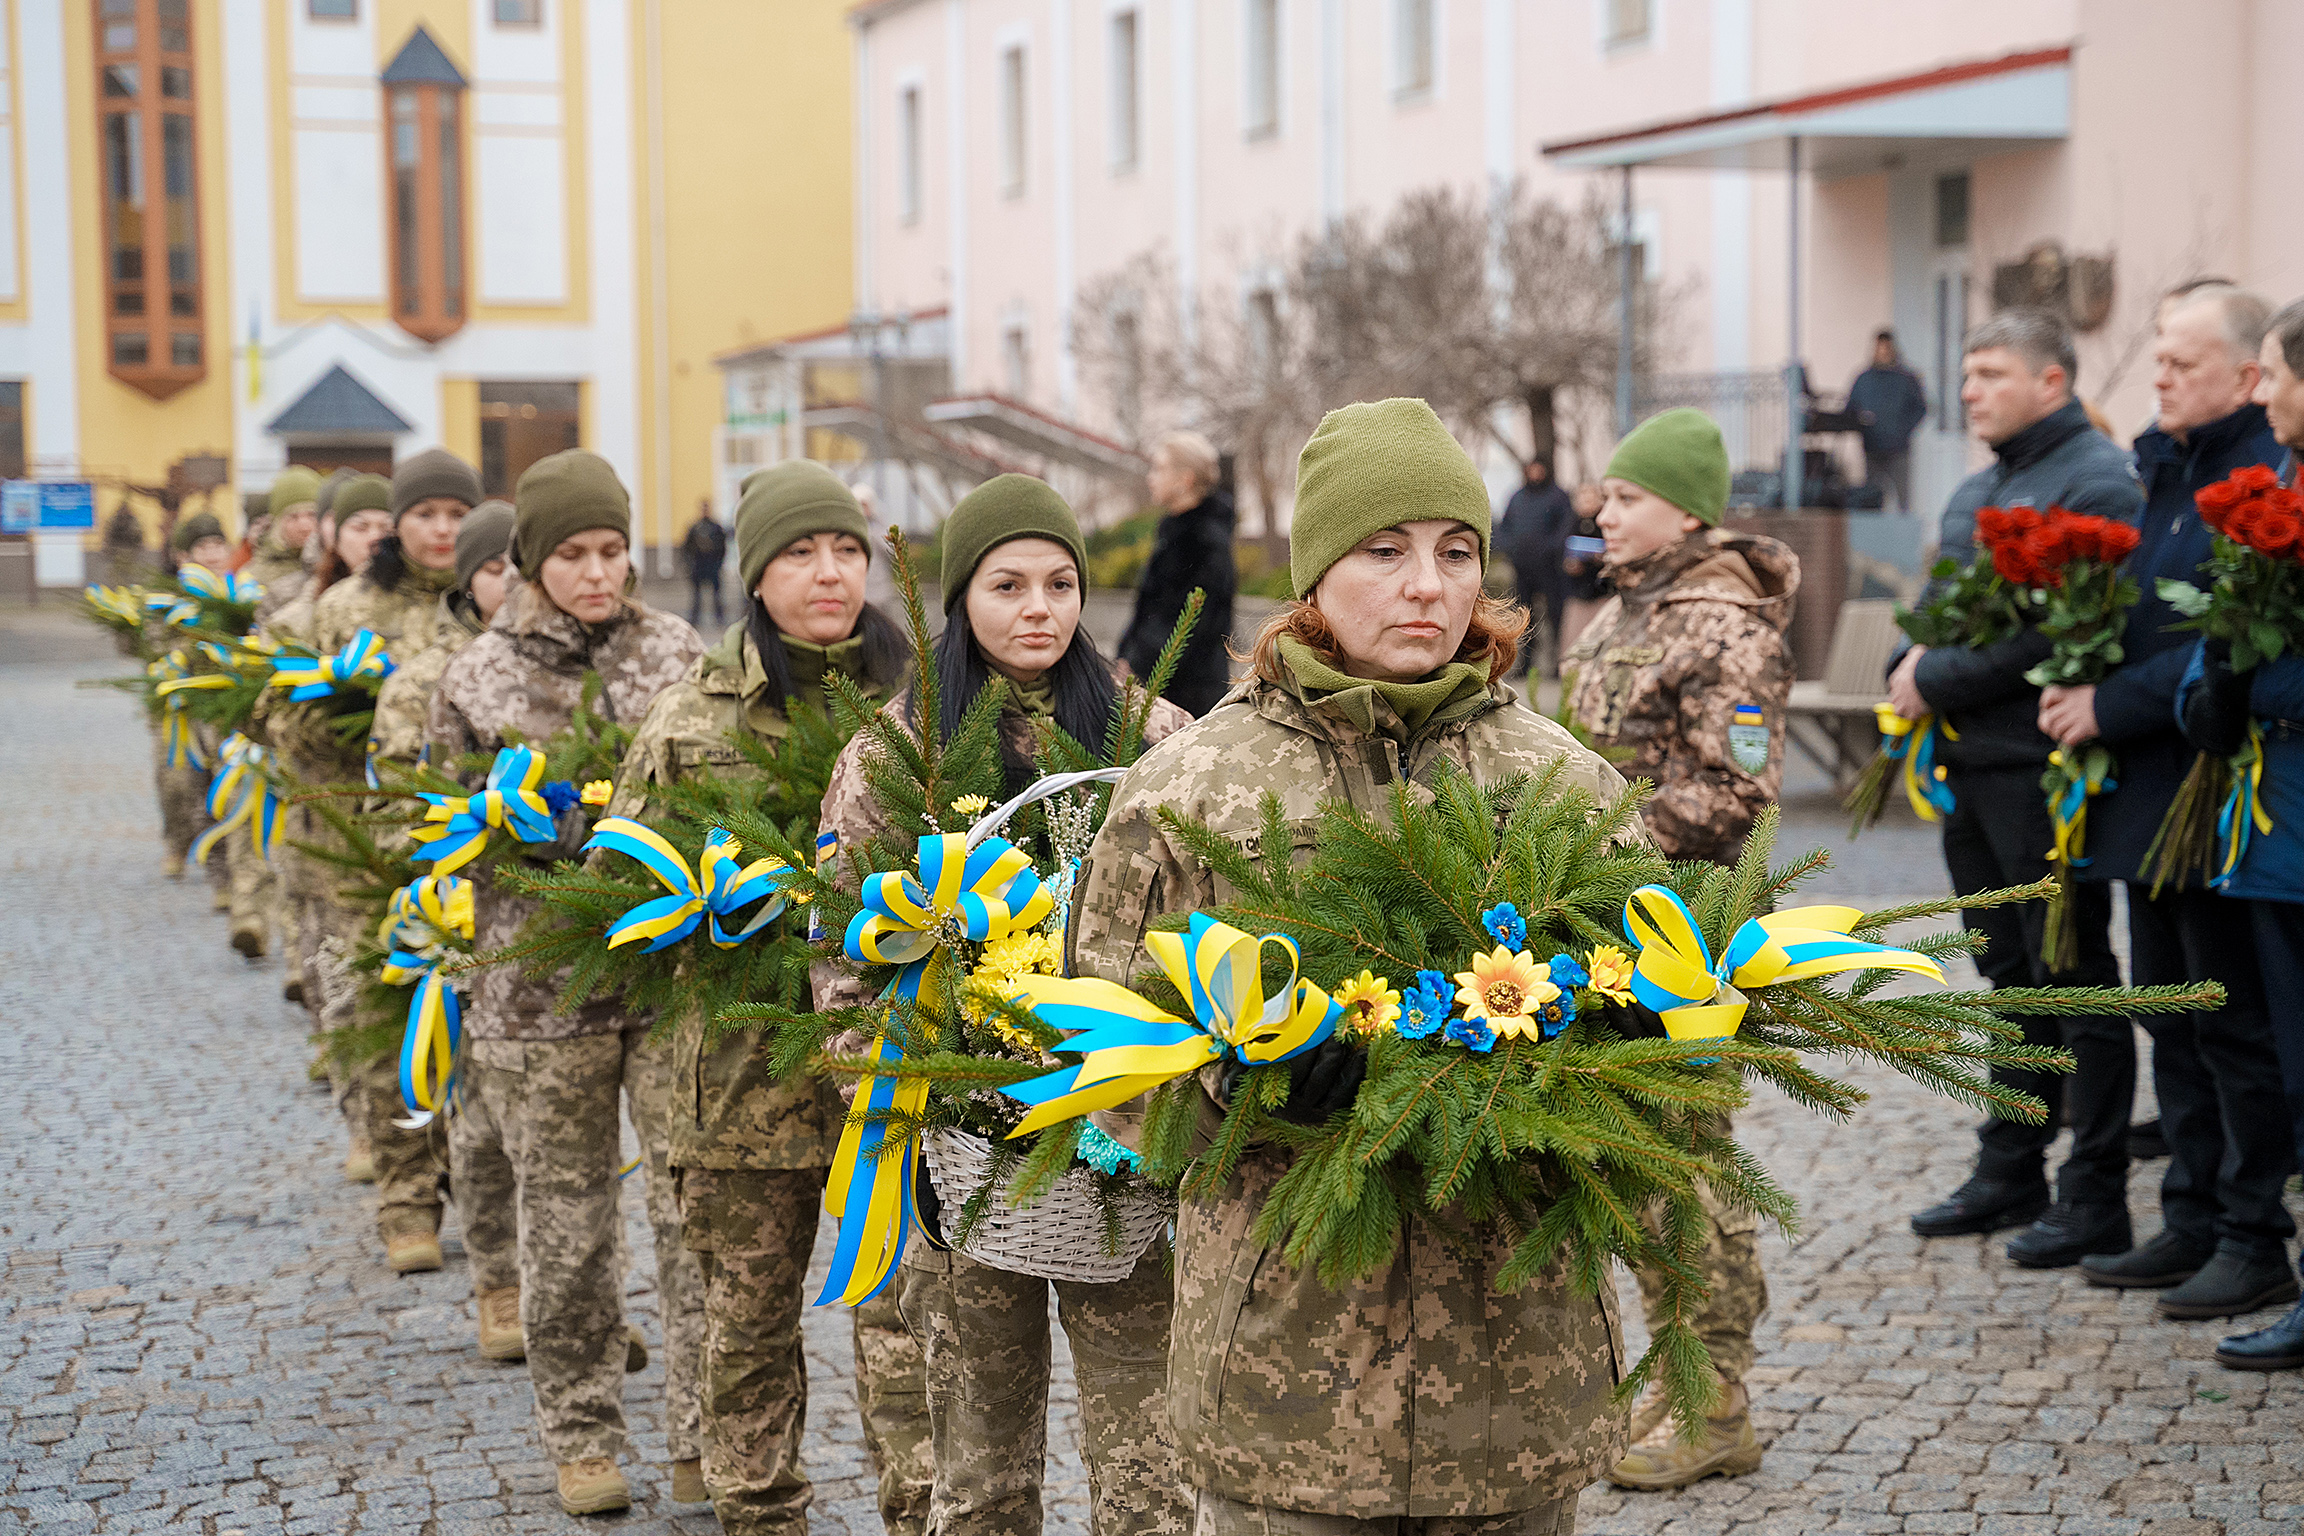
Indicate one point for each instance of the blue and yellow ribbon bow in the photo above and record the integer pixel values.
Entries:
(363, 657)
(1133, 1045)
(980, 894)
(2243, 814)
(424, 914)
(1913, 743)
(455, 830)
(241, 794)
(1698, 1000)
(724, 890)
(179, 743)
(122, 605)
(184, 610)
(2068, 806)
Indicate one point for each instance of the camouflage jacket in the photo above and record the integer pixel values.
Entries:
(1418, 1392)
(525, 676)
(1687, 667)
(403, 616)
(397, 733)
(728, 1110)
(282, 572)
(853, 814)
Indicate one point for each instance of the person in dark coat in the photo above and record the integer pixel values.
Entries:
(706, 550)
(1192, 548)
(1533, 534)
(2017, 374)
(1889, 403)
(2222, 1248)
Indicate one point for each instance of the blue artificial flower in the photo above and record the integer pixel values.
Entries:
(559, 795)
(1504, 922)
(1423, 1009)
(1567, 973)
(1472, 1034)
(1103, 1154)
(1556, 1015)
(1436, 983)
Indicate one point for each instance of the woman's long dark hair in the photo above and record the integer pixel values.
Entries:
(886, 652)
(1082, 677)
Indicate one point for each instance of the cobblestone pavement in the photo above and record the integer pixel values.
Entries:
(196, 1333)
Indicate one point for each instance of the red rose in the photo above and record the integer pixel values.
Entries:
(2218, 502)
(2119, 541)
(2047, 547)
(1991, 525)
(2083, 536)
(2254, 479)
(2023, 520)
(2245, 525)
(2277, 532)
(2015, 566)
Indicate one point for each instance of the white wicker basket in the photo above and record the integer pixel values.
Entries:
(1059, 1236)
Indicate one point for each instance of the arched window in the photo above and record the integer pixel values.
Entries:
(148, 146)
(424, 188)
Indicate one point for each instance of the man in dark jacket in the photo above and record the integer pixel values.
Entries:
(1192, 548)
(1533, 533)
(1889, 404)
(706, 550)
(2016, 380)
(2222, 1248)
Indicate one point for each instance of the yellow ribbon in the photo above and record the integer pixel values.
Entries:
(1913, 743)
(2243, 813)
(422, 917)
(2068, 805)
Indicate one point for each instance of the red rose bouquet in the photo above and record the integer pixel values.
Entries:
(2073, 562)
(2253, 602)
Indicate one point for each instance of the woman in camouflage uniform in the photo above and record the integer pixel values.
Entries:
(1423, 1398)
(1687, 667)
(199, 540)
(751, 1151)
(542, 1087)
(1014, 565)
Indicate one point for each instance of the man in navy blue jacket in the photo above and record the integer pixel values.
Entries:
(2222, 1250)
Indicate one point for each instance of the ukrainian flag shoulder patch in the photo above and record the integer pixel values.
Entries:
(1748, 738)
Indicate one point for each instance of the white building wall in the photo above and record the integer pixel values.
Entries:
(518, 120)
(337, 180)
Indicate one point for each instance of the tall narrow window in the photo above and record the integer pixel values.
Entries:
(332, 10)
(1012, 121)
(519, 13)
(1263, 54)
(1016, 359)
(424, 153)
(1264, 328)
(908, 154)
(1412, 22)
(1123, 95)
(1627, 22)
(149, 146)
(1128, 377)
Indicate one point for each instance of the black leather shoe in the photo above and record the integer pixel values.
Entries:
(2231, 1284)
(2145, 1141)
(2277, 1348)
(2166, 1260)
(1983, 1205)
(2070, 1232)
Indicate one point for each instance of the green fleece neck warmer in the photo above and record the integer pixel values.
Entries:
(200, 525)
(1036, 698)
(790, 501)
(1678, 455)
(1452, 691)
(296, 484)
(1375, 466)
(434, 472)
(560, 496)
(809, 664)
(1006, 507)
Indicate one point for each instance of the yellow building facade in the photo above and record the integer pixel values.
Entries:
(245, 233)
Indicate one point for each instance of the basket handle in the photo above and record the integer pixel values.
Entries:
(1055, 784)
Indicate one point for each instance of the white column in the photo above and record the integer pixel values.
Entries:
(865, 103)
(1332, 18)
(1061, 123)
(1730, 285)
(51, 360)
(248, 154)
(1499, 103)
(612, 218)
(956, 164)
(1184, 88)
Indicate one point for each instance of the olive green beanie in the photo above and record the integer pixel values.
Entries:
(434, 472)
(565, 494)
(296, 484)
(485, 534)
(1374, 466)
(325, 502)
(362, 493)
(1678, 455)
(1006, 507)
(200, 525)
(790, 501)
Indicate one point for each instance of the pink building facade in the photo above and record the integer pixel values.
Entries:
(1010, 151)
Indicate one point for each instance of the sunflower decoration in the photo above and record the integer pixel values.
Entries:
(1371, 1004)
(1609, 970)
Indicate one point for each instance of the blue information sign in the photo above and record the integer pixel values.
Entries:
(67, 504)
(19, 506)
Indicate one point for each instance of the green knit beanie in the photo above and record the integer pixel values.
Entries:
(790, 501)
(362, 493)
(565, 494)
(434, 472)
(1006, 507)
(200, 525)
(325, 502)
(485, 534)
(1374, 466)
(296, 484)
(1678, 455)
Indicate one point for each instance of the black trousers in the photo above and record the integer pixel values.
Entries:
(2230, 1148)
(2279, 929)
(698, 588)
(1997, 835)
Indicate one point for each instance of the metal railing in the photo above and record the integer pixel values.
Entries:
(1748, 404)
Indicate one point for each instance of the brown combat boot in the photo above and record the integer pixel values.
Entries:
(1651, 1410)
(292, 990)
(173, 866)
(249, 942)
(1661, 1459)
(500, 1335)
(412, 1252)
(688, 1482)
(593, 1487)
(360, 1164)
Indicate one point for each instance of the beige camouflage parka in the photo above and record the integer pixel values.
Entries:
(1687, 666)
(404, 703)
(403, 616)
(280, 570)
(525, 675)
(1419, 1392)
(728, 1109)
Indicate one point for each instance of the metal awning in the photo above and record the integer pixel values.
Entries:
(1020, 426)
(1982, 107)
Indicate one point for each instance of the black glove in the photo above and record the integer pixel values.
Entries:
(571, 830)
(2215, 714)
(1633, 1021)
(1324, 1080)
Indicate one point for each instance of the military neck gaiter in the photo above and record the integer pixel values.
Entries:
(1446, 694)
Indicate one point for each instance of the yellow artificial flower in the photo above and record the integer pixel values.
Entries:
(1506, 989)
(1611, 971)
(971, 805)
(1004, 964)
(598, 792)
(1370, 1002)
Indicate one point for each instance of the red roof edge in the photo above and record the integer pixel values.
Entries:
(1949, 74)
